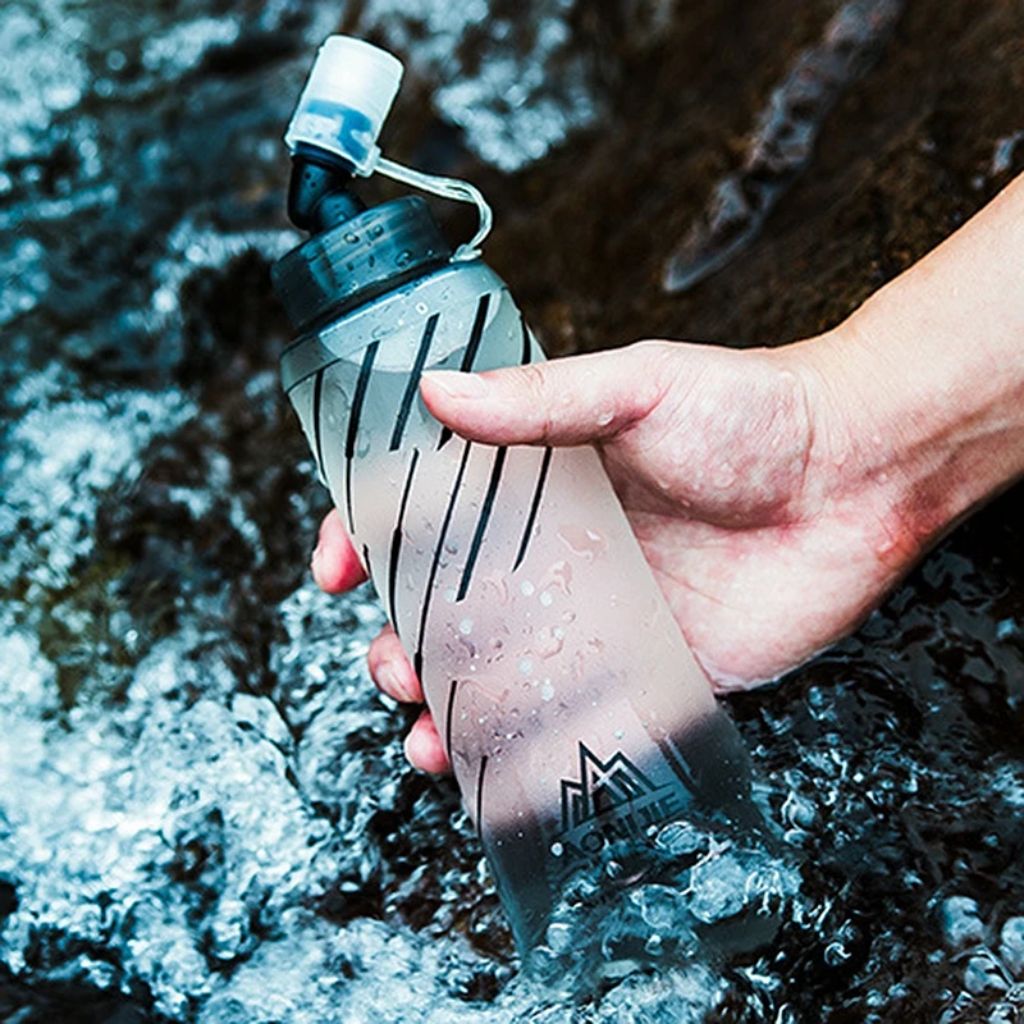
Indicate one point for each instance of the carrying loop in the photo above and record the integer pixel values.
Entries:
(448, 188)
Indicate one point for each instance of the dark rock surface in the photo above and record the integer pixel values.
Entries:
(204, 811)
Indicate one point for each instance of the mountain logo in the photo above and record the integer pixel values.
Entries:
(603, 786)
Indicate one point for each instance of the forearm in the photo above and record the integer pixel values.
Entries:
(930, 373)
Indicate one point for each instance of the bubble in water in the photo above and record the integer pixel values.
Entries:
(681, 837)
(836, 954)
(559, 936)
(661, 907)
(798, 812)
(717, 887)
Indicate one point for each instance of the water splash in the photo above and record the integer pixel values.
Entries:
(510, 77)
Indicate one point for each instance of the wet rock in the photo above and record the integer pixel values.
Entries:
(783, 141)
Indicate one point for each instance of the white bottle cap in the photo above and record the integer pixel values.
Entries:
(347, 96)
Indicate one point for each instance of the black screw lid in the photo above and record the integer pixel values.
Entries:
(361, 258)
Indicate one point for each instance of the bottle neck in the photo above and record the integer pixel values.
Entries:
(320, 195)
(354, 254)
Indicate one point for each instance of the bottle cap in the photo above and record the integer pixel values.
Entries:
(347, 97)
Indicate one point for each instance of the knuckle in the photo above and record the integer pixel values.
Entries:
(534, 380)
(650, 351)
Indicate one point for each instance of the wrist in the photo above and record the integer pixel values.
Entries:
(923, 423)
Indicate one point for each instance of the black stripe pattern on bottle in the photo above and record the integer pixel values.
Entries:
(354, 415)
(527, 356)
(449, 718)
(396, 538)
(676, 763)
(531, 518)
(318, 394)
(481, 524)
(413, 383)
(417, 659)
(480, 795)
(476, 335)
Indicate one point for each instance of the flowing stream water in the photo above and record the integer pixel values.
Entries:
(205, 814)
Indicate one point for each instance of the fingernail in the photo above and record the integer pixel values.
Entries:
(406, 749)
(391, 681)
(456, 384)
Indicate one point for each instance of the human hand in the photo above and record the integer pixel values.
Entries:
(755, 481)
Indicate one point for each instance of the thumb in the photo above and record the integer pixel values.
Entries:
(576, 400)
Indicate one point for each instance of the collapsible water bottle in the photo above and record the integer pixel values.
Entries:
(575, 717)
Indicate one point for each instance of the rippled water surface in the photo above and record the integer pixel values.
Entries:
(205, 815)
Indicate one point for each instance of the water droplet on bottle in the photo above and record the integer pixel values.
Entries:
(466, 627)
(351, 237)
(559, 575)
(403, 258)
(582, 541)
(547, 644)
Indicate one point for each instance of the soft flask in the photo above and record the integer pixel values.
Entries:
(577, 722)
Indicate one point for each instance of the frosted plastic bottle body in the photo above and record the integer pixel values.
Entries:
(571, 708)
